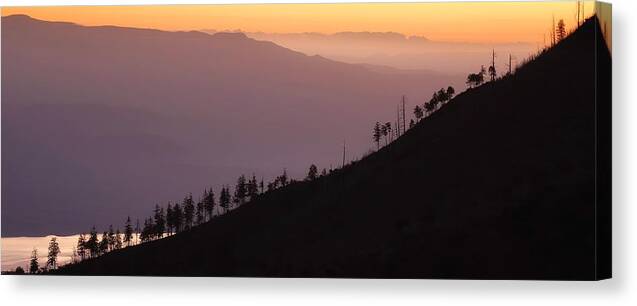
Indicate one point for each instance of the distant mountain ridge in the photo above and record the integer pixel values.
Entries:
(396, 50)
(348, 35)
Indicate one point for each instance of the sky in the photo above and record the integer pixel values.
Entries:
(481, 22)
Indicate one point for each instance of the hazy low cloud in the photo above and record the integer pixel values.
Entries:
(398, 50)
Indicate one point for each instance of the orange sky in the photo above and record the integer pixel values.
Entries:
(470, 22)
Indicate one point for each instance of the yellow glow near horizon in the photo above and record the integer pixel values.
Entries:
(455, 21)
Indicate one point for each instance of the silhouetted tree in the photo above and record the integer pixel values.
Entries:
(81, 247)
(54, 250)
(189, 211)
(376, 135)
(253, 188)
(200, 214)
(19, 270)
(560, 31)
(228, 197)
(224, 199)
(284, 178)
(492, 72)
(261, 185)
(450, 92)
(433, 102)
(385, 129)
(160, 222)
(240, 191)
(312, 173)
(128, 232)
(103, 245)
(209, 203)
(170, 219)
(33, 263)
(441, 96)
(272, 185)
(148, 231)
(152, 229)
(411, 123)
(429, 107)
(143, 236)
(418, 113)
(111, 238)
(475, 79)
(137, 230)
(118, 240)
(178, 218)
(92, 243)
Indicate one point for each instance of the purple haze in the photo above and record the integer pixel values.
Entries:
(103, 122)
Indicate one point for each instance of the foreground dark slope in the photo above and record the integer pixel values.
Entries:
(498, 184)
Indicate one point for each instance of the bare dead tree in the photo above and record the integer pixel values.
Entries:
(403, 114)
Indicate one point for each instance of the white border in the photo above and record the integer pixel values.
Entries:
(621, 290)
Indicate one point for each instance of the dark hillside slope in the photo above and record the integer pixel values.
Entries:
(498, 184)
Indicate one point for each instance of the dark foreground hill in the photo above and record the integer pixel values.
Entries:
(504, 182)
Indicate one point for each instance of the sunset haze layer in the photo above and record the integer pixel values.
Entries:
(491, 22)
